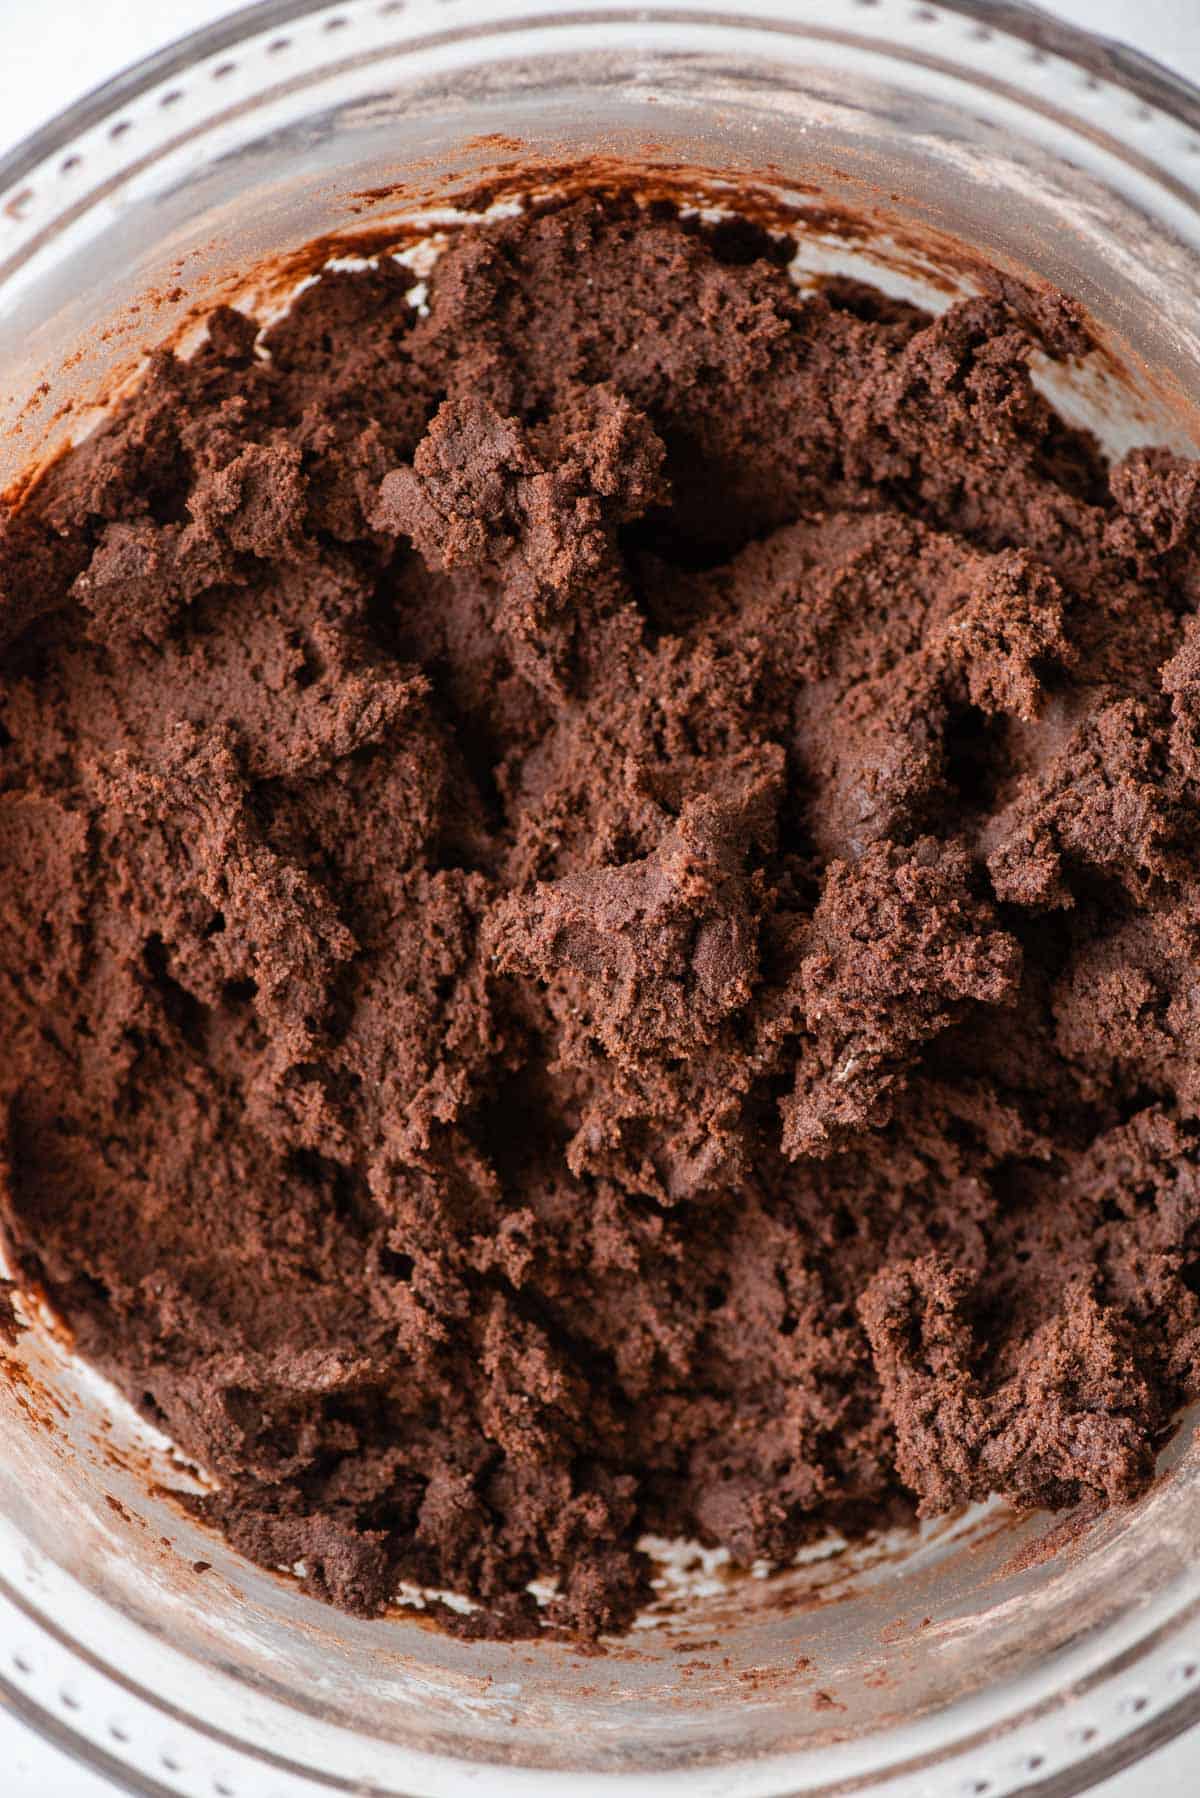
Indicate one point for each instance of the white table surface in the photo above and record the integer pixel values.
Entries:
(52, 51)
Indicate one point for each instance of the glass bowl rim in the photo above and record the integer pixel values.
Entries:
(1093, 52)
(1155, 85)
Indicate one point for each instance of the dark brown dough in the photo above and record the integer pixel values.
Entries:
(600, 928)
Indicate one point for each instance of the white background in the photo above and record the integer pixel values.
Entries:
(51, 52)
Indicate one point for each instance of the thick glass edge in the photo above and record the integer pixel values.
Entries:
(1150, 81)
(1142, 75)
(141, 76)
(1069, 1782)
(1106, 57)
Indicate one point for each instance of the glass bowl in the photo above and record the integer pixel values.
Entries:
(987, 1653)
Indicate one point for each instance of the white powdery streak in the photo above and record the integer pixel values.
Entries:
(419, 1598)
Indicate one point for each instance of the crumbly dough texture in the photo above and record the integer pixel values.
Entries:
(599, 926)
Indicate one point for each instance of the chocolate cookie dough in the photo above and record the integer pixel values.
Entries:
(600, 927)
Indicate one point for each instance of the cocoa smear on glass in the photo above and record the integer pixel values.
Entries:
(599, 926)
